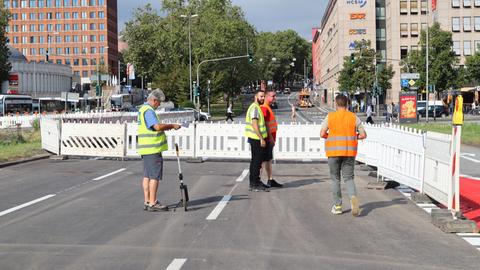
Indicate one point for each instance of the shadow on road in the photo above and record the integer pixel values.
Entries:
(368, 207)
(198, 204)
(303, 182)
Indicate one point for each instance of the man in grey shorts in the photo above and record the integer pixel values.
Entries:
(152, 141)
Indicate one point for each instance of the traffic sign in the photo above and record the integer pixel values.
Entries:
(404, 83)
(407, 76)
(411, 82)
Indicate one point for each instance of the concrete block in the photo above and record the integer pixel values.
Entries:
(381, 185)
(58, 157)
(420, 198)
(459, 226)
(195, 160)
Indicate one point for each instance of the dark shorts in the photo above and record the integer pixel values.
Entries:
(268, 155)
(153, 166)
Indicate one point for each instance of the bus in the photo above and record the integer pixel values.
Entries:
(15, 104)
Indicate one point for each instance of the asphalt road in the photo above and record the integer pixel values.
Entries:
(100, 224)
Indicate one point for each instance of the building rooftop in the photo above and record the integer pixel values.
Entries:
(16, 55)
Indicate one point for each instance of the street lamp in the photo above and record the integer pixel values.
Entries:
(190, 16)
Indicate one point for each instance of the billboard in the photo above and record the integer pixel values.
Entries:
(408, 107)
(358, 16)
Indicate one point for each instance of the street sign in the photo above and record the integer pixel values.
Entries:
(409, 76)
(404, 83)
(72, 97)
(411, 82)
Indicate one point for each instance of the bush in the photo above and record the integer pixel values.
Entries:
(11, 138)
(36, 124)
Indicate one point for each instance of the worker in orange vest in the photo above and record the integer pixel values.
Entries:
(271, 123)
(342, 130)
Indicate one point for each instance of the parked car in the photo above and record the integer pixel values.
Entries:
(440, 111)
(199, 115)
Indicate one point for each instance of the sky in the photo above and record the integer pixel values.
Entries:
(265, 15)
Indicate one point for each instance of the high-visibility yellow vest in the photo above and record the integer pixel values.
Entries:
(149, 141)
(342, 135)
(249, 132)
(458, 112)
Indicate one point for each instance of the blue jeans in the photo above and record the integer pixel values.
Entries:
(342, 168)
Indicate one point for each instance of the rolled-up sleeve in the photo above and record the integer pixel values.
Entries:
(359, 126)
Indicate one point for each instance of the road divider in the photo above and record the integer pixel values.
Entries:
(13, 209)
(176, 264)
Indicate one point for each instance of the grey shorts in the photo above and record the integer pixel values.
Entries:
(153, 166)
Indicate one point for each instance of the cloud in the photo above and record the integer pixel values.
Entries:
(265, 15)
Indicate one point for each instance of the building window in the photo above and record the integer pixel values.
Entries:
(67, 39)
(67, 50)
(59, 61)
(101, 2)
(424, 6)
(456, 47)
(66, 3)
(102, 38)
(84, 26)
(14, 3)
(101, 14)
(92, 15)
(75, 26)
(33, 16)
(24, 40)
(92, 26)
(15, 40)
(84, 15)
(93, 62)
(49, 15)
(48, 3)
(403, 7)
(76, 50)
(414, 48)
(14, 16)
(84, 3)
(41, 39)
(41, 51)
(85, 73)
(23, 3)
(24, 16)
(59, 51)
(467, 24)
(41, 16)
(76, 73)
(477, 46)
(477, 23)
(467, 3)
(404, 29)
(75, 3)
(456, 24)
(75, 62)
(33, 3)
(92, 3)
(66, 15)
(32, 27)
(414, 29)
(413, 6)
(75, 15)
(84, 62)
(93, 49)
(58, 3)
(467, 47)
(33, 51)
(32, 39)
(84, 39)
(403, 52)
(67, 62)
(477, 3)
(41, 4)
(456, 3)
(24, 28)
(67, 27)
(93, 38)
(75, 39)
(381, 34)
(58, 15)
(58, 27)
(101, 26)
(6, 3)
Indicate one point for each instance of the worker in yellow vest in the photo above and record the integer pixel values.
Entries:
(256, 132)
(342, 130)
(152, 141)
(272, 125)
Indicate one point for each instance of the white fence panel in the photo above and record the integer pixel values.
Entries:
(299, 142)
(25, 121)
(369, 149)
(438, 167)
(50, 131)
(222, 140)
(402, 156)
(105, 140)
(183, 136)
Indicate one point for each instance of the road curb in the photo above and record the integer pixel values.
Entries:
(24, 160)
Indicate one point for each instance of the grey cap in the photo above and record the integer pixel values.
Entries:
(157, 94)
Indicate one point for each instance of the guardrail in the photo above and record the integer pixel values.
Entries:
(408, 156)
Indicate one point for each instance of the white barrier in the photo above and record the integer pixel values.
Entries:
(50, 132)
(438, 167)
(369, 150)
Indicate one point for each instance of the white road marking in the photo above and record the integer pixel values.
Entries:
(468, 156)
(474, 241)
(218, 209)
(176, 264)
(471, 177)
(109, 174)
(427, 205)
(243, 175)
(26, 204)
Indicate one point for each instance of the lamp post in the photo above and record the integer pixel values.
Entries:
(190, 16)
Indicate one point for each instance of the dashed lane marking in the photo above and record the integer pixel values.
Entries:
(176, 264)
(218, 209)
(242, 176)
(109, 174)
(13, 209)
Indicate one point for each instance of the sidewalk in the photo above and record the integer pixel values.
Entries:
(470, 198)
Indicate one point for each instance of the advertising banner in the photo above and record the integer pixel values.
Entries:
(408, 107)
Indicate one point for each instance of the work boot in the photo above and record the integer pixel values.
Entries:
(355, 206)
(273, 183)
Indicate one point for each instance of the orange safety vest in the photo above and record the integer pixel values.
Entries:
(271, 122)
(342, 135)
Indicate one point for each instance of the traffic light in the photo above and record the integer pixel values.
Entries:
(197, 91)
(352, 58)
(250, 58)
(46, 56)
(97, 90)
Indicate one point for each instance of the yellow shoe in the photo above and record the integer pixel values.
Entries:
(355, 207)
(337, 209)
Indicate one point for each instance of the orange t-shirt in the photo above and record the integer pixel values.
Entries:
(268, 117)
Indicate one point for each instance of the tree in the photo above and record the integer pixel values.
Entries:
(443, 63)
(5, 65)
(361, 70)
(472, 63)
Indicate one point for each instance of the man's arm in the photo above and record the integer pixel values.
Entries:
(324, 128)
(164, 127)
(360, 129)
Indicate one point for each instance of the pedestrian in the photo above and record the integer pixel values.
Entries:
(229, 112)
(256, 132)
(389, 113)
(271, 124)
(152, 141)
(369, 114)
(342, 130)
(293, 115)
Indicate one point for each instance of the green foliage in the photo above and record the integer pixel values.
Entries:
(472, 64)
(5, 65)
(36, 124)
(358, 71)
(186, 104)
(443, 70)
(275, 53)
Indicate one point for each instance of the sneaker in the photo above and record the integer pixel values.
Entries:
(145, 206)
(337, 209)
(157, 207)
(355, 207)
(259, 188)
(273, 183)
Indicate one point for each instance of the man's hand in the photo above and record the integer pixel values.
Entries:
(176, 126)
(263, 143)
(271, 141)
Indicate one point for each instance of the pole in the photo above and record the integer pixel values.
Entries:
(208, 97)
(426, 67)
(190, 55)
(66, 98)
(35, 77)
(118, 71)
